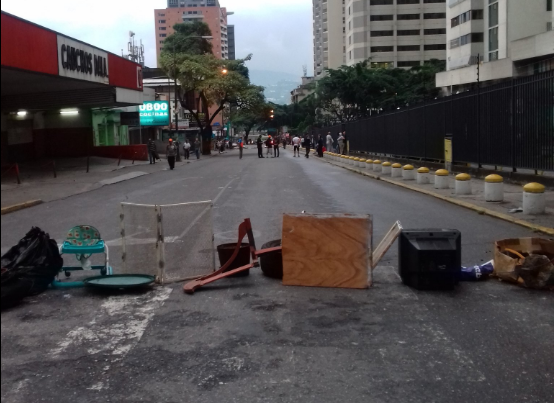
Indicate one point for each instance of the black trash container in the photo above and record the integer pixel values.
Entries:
(225, 252)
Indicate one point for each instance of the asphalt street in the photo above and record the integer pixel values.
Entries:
(252, 339)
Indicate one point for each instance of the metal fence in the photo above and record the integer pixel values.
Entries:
(510, 124)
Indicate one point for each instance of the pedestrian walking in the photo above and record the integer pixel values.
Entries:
(330, 142)
(340, 141)
(260, 145)
(222, 147)
(276, 144)
(320, 147)
(197, 145)
(296, 145)
(345, 143)
(241, 146)
(171, 153)
(186, 149)
(268, 146)
(152, 151)
(307, 145)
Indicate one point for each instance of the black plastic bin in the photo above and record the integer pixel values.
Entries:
(225, 252)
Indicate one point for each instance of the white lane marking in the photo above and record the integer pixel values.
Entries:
(118, 327)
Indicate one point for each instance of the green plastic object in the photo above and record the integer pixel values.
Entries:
(120, 281)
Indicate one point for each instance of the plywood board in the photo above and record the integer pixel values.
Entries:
(326, 250)
(386, 243)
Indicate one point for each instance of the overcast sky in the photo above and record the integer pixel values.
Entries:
(277, 32)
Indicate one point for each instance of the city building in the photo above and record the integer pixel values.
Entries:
(508, 38)
(395, 33)
(48, 101)
(182, 11)
(231, 41)
(303, 90)
(328, 28)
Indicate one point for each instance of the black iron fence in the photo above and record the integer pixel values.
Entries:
(510, 124)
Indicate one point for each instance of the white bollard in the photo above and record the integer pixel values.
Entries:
(377, 166)
(369, 165)
(463, 184)
(387, 168)
(357, 162)
(494, 188)
(534, 199)
(423, 176)
(396, 170)
(408, 172)
(442, 181)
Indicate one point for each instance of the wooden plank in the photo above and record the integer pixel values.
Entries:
(327, 250)
(386, 243)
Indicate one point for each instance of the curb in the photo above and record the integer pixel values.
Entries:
(461, 203)
(20, 206)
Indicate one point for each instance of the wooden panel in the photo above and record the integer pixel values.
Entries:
(326, 250)
(386, 243)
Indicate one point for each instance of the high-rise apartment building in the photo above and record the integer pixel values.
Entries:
(182, 11)
(328, 20)
(395, 33)
(509, 38)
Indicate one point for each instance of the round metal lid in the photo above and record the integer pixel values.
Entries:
(120, 281)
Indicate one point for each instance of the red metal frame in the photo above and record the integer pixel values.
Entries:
(245, 230)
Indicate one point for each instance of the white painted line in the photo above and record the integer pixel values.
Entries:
(115, 330)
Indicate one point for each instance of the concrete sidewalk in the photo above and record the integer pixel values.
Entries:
(512, 198)
(38, 182)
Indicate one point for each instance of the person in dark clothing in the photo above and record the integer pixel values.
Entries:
(171, 152)
(152, 151)
(320, 147)
(307, 145)
(260, 144)
(276, 144)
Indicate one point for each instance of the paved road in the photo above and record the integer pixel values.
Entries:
(253, 340)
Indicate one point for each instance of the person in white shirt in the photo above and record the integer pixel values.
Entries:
(296, 143)
(330, 142)
(186, 148)
(341, 144)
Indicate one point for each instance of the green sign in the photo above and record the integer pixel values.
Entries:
(154, 113)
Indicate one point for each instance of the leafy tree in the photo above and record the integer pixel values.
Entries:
(217, 83)
(188, 39)
(246, 118)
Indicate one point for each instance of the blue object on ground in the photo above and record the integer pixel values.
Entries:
(477, 273)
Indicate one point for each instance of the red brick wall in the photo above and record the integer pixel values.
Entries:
(62, 143)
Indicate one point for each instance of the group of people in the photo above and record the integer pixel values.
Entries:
(320, 145)
(172, 151)
(271, 144)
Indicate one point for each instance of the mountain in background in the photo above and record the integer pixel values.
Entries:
(277, 85)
